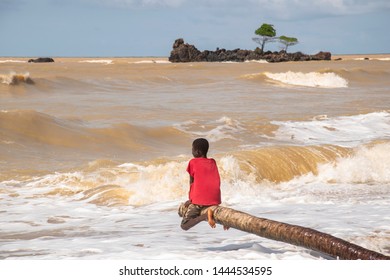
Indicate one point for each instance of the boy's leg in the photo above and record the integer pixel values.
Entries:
(192, 216)
(210, 217)
(182, 209)
(193, 222)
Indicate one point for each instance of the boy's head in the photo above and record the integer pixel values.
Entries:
(200, 147)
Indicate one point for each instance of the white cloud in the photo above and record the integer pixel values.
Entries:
(274, 9)
(293, 9)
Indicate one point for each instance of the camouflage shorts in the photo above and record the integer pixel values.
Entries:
(193, 211)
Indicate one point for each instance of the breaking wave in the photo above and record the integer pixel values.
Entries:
(367, 164)
(244, 173)
(324, 78)
(311, 79)
(15, 79)
(346, 131)
(283, 163)
(223, 128)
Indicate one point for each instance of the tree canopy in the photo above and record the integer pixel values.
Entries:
(288, 41)
(267, 33)
(266, 30)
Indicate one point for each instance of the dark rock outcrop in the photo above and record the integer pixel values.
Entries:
(183, 52)
(322, 56)
(41, 60)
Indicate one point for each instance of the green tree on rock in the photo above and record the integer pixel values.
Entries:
(266, 33)
(288, 41)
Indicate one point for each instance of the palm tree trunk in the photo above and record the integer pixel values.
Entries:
(292, 234)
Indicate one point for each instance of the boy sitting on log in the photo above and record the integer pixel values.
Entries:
(204, 187)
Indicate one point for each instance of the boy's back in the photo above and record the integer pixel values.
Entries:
(205, 189)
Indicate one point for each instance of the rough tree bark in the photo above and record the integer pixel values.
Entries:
(292, 234)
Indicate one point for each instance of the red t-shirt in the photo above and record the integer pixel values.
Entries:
(205, 190)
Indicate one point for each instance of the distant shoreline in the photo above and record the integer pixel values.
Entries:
(356, 56)
(135, 58)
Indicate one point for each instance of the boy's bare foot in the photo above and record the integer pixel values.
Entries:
(210, 218)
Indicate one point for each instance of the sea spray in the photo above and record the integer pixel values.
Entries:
(16, 79)
(369, 164)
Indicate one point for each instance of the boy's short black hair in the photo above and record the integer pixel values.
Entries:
(200, 146)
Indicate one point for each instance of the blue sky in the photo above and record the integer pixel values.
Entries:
(149, 27)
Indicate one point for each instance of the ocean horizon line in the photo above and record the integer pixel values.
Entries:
(160, 56)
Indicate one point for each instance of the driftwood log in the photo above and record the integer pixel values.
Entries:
(292, 234)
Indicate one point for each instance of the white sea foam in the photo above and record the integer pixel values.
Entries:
(345, 131)
(223, 128)
(372, 58)
(12, 61)
(135, 232)
(151, 62)
(367, 165)
(100, 61)
(256, 61)
(312, 79)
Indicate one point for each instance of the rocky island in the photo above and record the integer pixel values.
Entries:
(184, 52)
